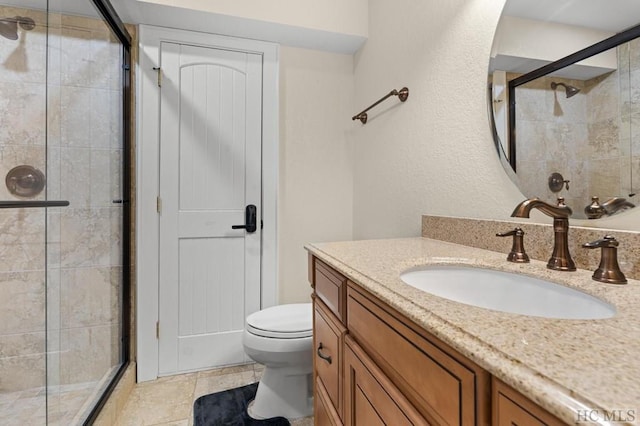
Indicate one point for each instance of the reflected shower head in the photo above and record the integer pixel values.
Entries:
(569, 90)
(9, 26)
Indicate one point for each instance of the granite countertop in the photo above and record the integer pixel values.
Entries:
(563, 365)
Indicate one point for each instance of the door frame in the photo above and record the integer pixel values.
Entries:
(148, 177)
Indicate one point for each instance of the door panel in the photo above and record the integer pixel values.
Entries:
(211, 296)
(210, 149)
(213, 135)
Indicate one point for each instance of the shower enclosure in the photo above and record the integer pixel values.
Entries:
(64, 210)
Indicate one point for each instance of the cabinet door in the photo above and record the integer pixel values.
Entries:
(324, 413)
(512, 408)
(328, 340)
(441, 387)
(370, 398)
(330, 287)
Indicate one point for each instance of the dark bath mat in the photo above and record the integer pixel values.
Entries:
(230, 408)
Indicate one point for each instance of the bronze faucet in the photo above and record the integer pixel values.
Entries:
(517, 253)
(561, 258)
(608, 271)
(616, 204)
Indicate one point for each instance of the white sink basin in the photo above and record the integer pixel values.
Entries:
(507, 292)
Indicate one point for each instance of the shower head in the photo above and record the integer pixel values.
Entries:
(568, 89)
(9, 26)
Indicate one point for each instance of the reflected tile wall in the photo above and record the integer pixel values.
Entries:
(552, 137)
(592, 139)
(79, 123)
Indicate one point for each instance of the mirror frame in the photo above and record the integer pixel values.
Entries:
(587, 52)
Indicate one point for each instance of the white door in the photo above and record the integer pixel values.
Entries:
(210, 170)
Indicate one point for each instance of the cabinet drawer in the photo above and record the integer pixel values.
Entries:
(328, 338)
(330, 287)
(370, 398)
(512, 408)
(442, 389)
(323, 411)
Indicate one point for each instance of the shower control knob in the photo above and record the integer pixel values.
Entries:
(557, 182)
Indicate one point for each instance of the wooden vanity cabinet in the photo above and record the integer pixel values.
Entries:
(323, 411)
(512, 408)
(444, 387)
(330, 287)
(328, 340)
(370, 397)
(387, 370)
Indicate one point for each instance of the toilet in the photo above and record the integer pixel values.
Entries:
(281, 338)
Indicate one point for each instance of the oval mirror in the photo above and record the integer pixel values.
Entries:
(564, 102)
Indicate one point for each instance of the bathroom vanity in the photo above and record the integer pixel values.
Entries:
(387, 353)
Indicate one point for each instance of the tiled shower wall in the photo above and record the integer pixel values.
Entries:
(66, 123)
(590, 138)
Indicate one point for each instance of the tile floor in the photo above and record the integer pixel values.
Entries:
(168, 401)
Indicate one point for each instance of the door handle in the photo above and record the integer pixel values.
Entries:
(250, 219)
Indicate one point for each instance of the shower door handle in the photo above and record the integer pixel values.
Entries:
(32, 204)
(250, 219)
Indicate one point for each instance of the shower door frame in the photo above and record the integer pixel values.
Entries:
(599, 47)
(111, 18)
(116, 25)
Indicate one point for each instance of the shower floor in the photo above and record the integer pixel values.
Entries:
(28, 407)
(68, 405)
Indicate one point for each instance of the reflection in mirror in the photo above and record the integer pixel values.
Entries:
(577, 120)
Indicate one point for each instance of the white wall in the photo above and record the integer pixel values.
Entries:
(432, 154)
(331, 25)
(316, 160)
(340, 16)
(549, 41)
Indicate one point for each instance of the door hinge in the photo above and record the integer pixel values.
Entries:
(158, 330)
(159, 71)
(159, 205)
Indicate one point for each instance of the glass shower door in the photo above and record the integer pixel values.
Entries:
(23, 52)
(61, 211)
(84, 240)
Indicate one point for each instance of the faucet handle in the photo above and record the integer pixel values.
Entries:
(607, 241)
(517, 253)
(608, 271)
(595, 209)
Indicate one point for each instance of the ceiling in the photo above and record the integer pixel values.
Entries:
(605, 15)
(72, 7)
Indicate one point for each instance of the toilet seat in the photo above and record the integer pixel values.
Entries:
(291, 321)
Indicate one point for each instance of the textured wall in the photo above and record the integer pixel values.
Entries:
(316, 160)
(432, 154)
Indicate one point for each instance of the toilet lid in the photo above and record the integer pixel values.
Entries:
(282, 321)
